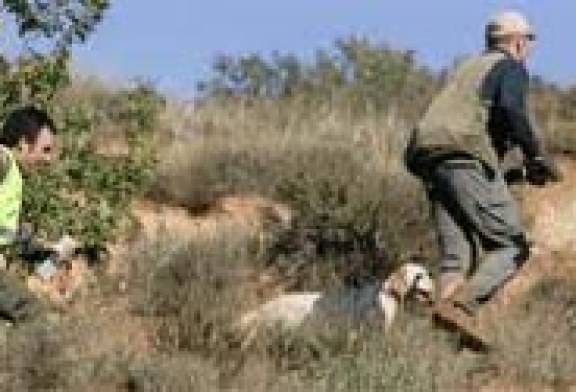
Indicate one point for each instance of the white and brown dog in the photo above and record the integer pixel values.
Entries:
(292, 310)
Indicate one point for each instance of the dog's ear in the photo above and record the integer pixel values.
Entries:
(396, 283)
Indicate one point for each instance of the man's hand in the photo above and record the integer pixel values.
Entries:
(540, 171)
(65, 248)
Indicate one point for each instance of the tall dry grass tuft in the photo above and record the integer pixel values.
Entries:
(342, 174)
(538, 336)
(196, 293)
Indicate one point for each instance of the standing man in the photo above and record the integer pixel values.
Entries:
(457, 149)
(26, 142)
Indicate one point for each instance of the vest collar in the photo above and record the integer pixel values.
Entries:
(500, 50)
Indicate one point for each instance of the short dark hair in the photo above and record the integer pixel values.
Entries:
(26, 122)
(492, 42)
(495, 42)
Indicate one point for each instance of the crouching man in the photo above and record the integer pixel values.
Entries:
(457, 150)
(26, 142)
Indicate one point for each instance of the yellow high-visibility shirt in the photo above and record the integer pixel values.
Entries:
(10, 198)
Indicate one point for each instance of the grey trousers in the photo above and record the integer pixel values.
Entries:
(479, 228)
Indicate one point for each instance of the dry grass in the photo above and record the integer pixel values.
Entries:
(535, 335)
(355, 211)
(342, 175)
(190, 311)
(332, 162)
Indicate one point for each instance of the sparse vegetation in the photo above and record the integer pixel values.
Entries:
(341, 175)
(325, 139)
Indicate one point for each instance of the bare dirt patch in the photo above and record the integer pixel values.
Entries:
(244, 212)
(551, 212)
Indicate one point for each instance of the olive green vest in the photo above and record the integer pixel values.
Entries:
(10, 198)
(457, 119)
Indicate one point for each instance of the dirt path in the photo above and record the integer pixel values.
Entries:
(248, 213)
(551, 213)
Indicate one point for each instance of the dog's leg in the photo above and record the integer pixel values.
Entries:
(248, 339)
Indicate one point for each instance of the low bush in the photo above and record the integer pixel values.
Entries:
(357, 211)
(194, 290)
(87, 193)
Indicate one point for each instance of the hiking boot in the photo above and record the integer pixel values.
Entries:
(454, 318)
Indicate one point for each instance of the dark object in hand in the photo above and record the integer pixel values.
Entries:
(515, 176)
(540, 171)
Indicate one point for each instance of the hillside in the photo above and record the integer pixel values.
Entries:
(111, 329)
(194, 213)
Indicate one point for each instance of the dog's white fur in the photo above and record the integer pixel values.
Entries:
(290, 311)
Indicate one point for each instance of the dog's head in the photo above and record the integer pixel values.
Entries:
(411, 280)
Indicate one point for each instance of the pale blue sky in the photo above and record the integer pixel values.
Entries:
(172, 42)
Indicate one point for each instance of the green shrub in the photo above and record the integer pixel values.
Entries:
(32, 79)
(87, 194)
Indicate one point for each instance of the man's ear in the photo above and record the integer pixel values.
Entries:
(23, 146)
(518, 48)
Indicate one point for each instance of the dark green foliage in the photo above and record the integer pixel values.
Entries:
(86, 194)
(355, 73)
(62, 23)
(136, 110)
(49, 29)
(32, 79)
